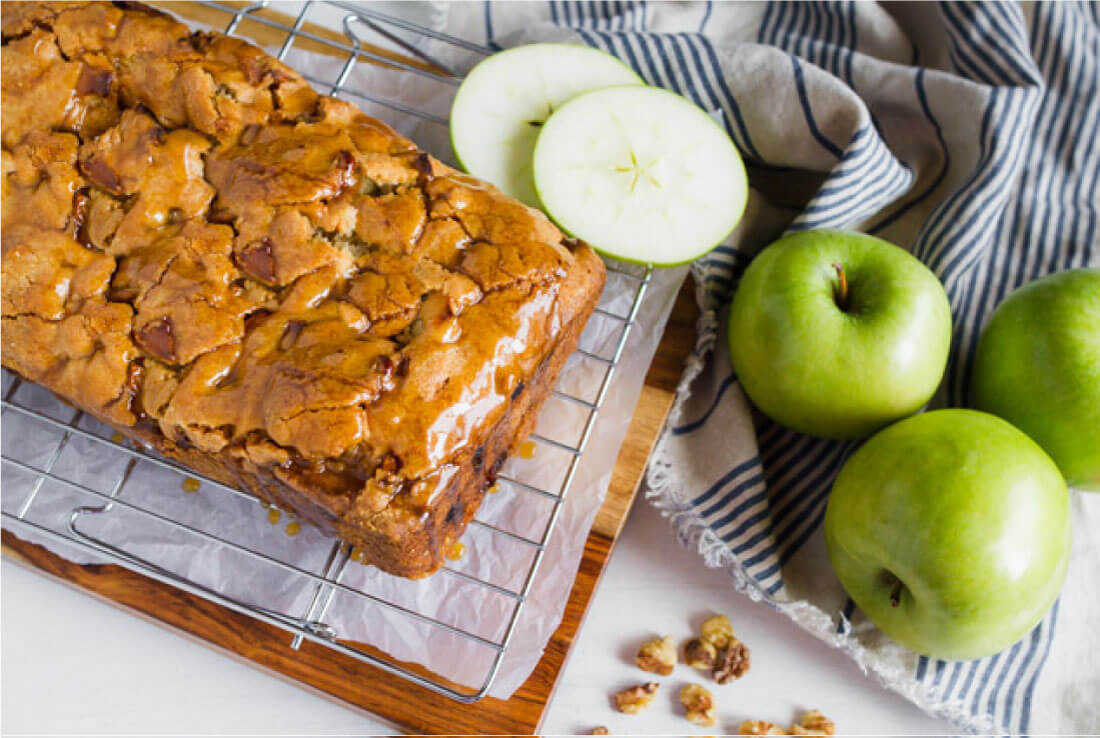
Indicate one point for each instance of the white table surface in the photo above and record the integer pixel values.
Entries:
(71, 664)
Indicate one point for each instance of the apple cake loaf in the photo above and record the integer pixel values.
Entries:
(268, 285)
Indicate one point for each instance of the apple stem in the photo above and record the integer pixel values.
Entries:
(840, 294)
(895, 594)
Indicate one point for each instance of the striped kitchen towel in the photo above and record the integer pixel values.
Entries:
(966, 133)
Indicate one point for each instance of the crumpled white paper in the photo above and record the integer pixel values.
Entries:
(383, 619)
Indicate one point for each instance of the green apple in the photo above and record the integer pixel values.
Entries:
(837, 334)
(502, 104)
(641, 174)
(951, 531)
(1038, 367)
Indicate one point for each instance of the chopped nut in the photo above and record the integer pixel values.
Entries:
(759, 727)
(698, 703)
(813, 723)
(601, 730)
(658, 656)
(732, 662)
(700, 654)
(717, 631)
(635, 699)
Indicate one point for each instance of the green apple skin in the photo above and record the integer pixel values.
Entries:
(832, 371)
(1038, 367)
(964, 519)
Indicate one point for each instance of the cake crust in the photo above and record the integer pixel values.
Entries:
(268, 285)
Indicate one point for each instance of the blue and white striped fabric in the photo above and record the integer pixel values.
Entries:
(966, 133)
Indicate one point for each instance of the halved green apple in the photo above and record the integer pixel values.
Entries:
(641, 174)
(502, 104)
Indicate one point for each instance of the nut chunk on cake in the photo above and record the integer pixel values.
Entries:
(268, 285)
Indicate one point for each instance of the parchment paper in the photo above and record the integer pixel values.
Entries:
(444, 597)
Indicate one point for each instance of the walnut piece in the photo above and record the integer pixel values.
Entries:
(717, 631)
(813, 723)
(700, 654)
(698, 703)
(657, 656)
(732, 662)
(633, 700)
(759, 727)
(601, 730)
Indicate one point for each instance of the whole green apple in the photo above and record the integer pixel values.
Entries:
(951, 531)
(838, 334)
(1038, 367)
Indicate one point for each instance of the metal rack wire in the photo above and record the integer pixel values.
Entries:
(396, 44)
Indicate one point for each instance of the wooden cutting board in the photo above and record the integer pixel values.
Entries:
(359, 685)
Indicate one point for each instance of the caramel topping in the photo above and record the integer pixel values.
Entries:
(39, 86)
(456, 551)
(95, 81)
(195, 241)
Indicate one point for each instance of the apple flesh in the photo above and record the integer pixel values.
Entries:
(1038, 367)
(641, 174)
(504, 101)
(951, 531)
(838, 334)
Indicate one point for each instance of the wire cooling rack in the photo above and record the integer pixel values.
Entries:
(366, 35)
